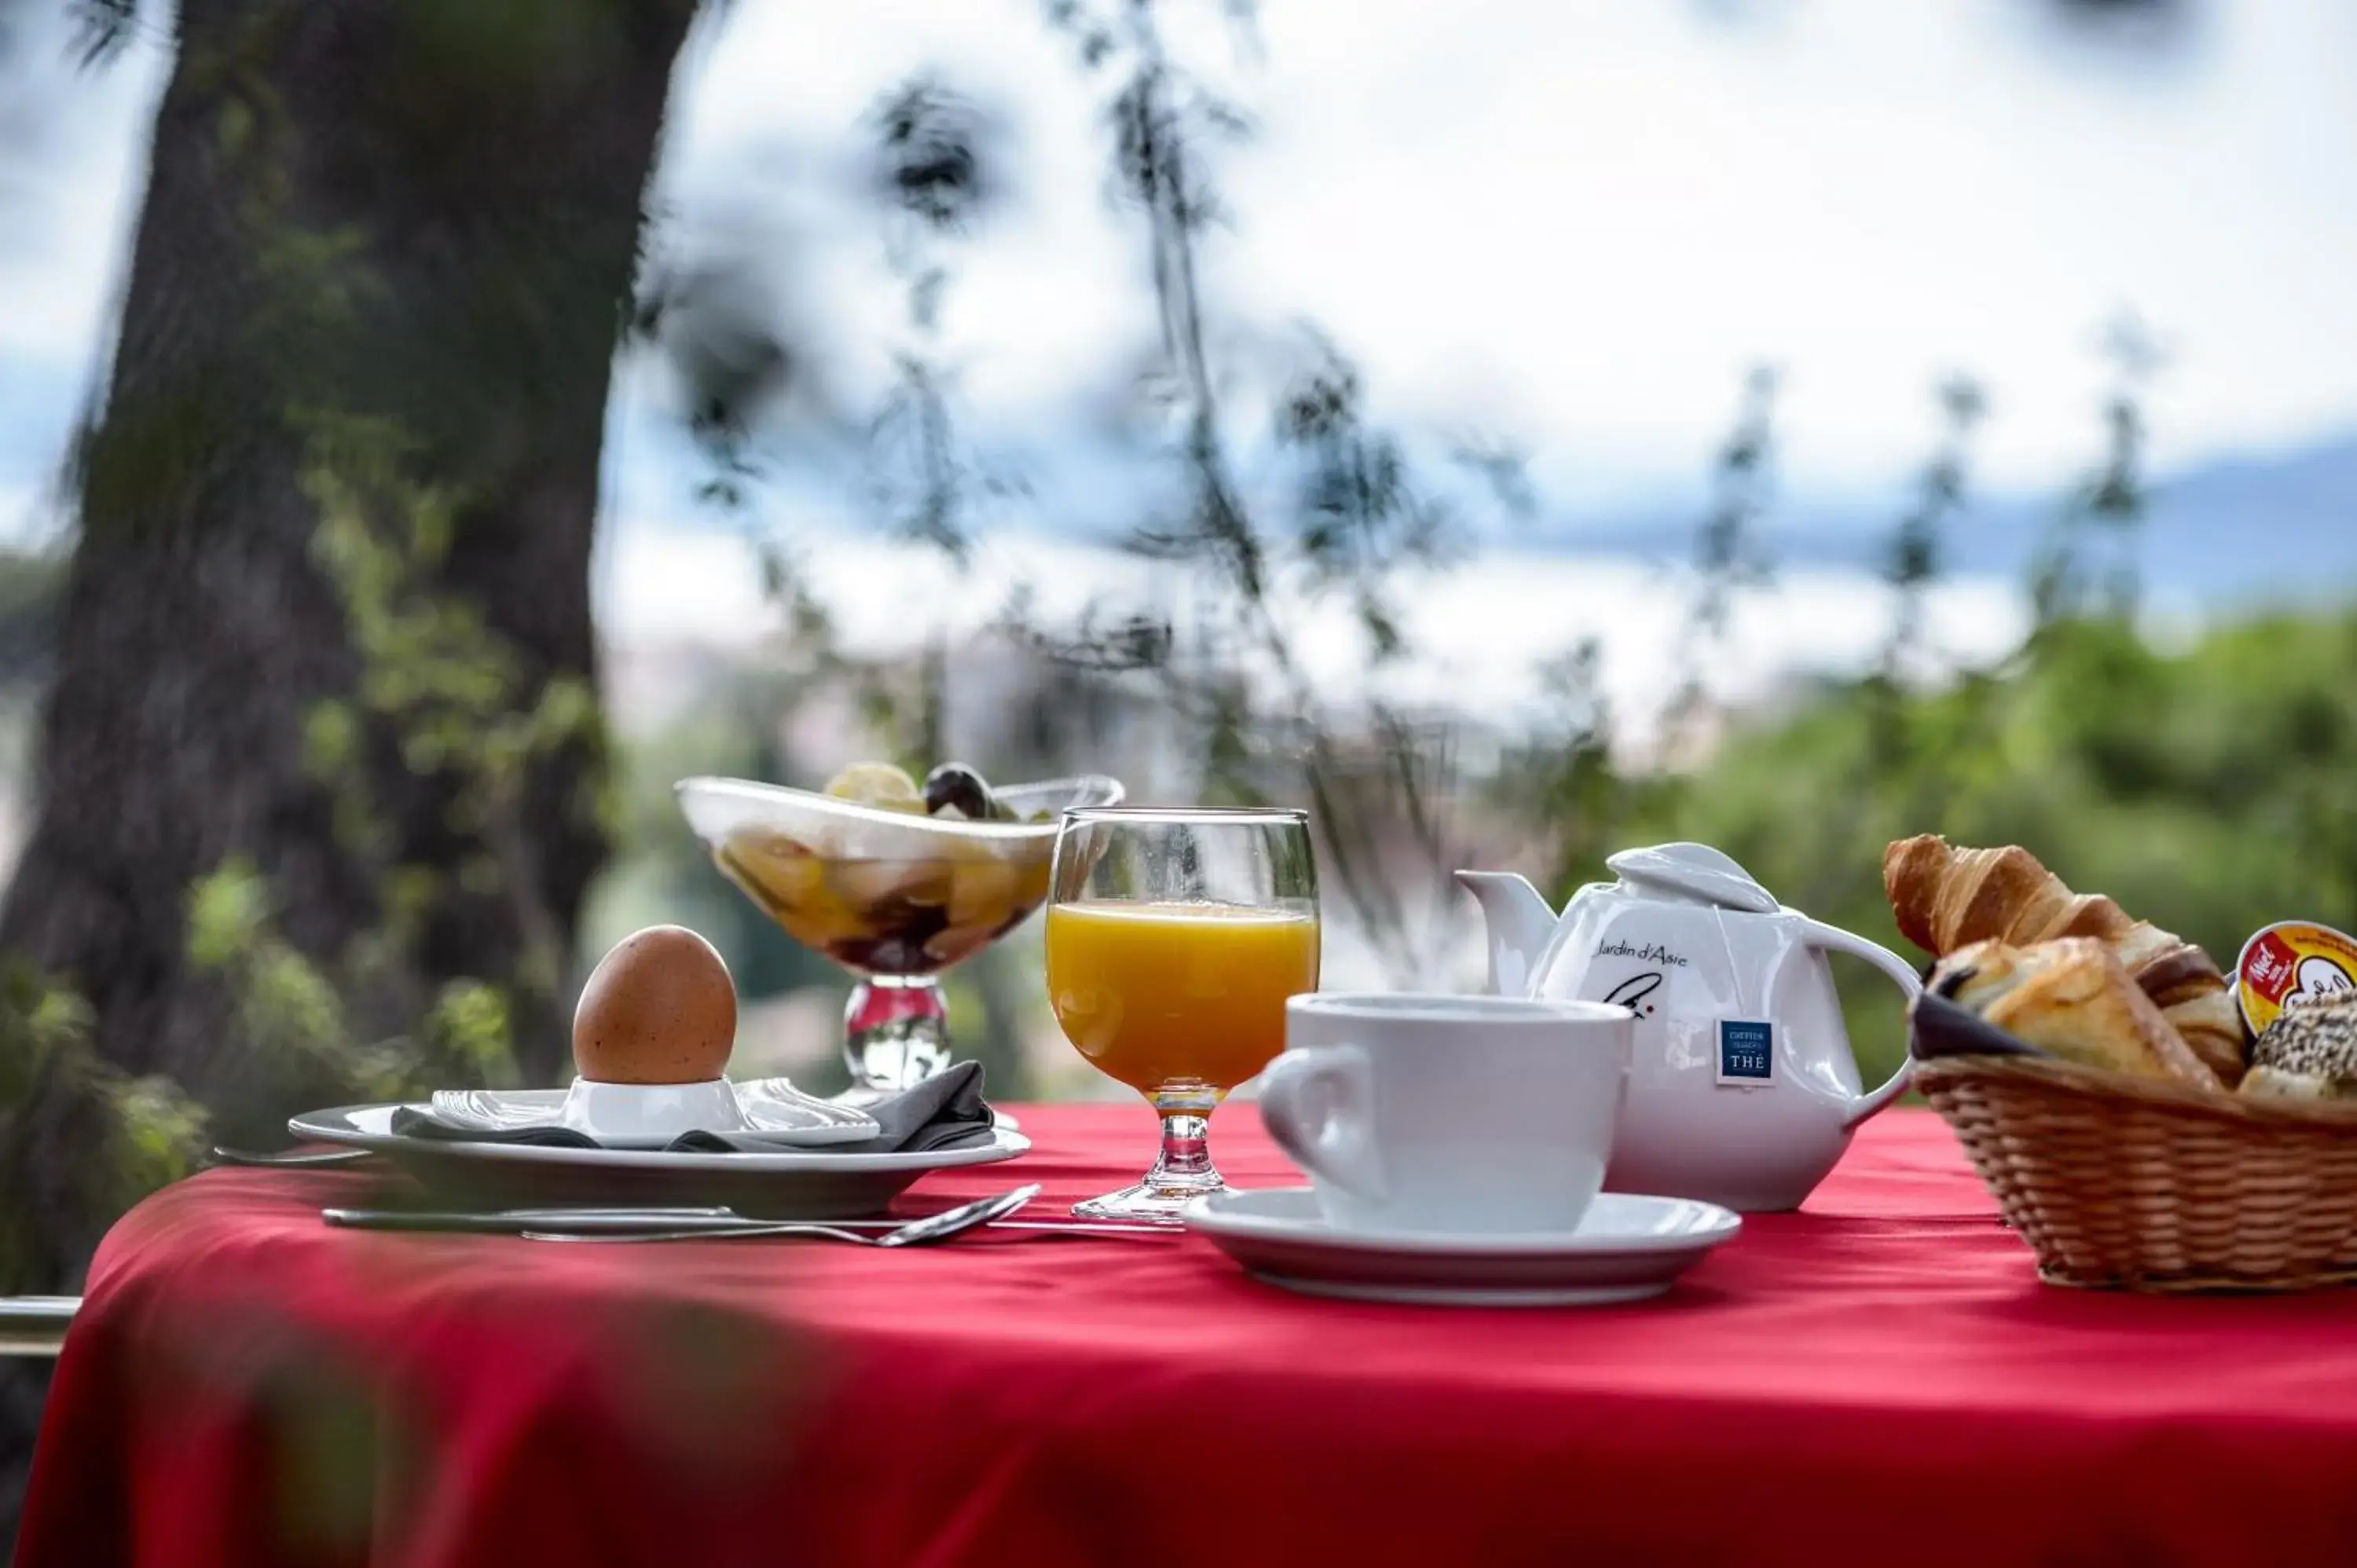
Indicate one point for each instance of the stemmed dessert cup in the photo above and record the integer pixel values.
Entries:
(895, 897)
(1174, 939)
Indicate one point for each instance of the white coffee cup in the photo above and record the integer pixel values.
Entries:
(1441, 1113)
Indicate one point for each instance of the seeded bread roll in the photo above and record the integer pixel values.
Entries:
(2072, 999)
(2308, 1053)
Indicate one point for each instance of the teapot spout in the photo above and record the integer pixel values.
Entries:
(1519, 922)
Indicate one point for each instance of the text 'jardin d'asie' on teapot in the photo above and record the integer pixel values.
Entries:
(1743, 1090)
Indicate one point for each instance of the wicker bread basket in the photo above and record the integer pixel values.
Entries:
(2142, 1183)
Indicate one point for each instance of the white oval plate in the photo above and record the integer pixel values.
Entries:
(792, 1184)
(370, 1127)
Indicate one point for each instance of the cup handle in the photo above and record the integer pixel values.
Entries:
(1318, 1103)
(1833, 939)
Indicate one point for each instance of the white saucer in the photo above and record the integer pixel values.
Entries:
(1628, 1247)
(628, 1115)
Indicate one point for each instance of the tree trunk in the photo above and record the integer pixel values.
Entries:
(417, 220)
(381, 237)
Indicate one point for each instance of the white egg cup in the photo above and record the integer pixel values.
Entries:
(652, 1113)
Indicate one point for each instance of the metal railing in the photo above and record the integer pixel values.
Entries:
(35, 1325)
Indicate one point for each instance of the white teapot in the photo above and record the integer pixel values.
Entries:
(1742, 1090)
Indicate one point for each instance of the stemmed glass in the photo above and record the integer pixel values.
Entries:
(1174, 937)
(893, 897)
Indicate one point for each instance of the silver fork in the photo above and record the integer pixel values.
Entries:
(915, 1233)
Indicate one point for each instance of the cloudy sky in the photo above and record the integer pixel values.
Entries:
(1566, 223)
(1577, 221)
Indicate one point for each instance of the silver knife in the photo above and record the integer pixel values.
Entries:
(509, 1222)
(514, 1221)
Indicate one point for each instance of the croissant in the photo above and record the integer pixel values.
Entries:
(2073, 999)
(1947, 899)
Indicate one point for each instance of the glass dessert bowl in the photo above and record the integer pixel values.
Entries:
(891, 893)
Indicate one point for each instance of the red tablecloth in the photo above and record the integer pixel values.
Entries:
(1879, 1378)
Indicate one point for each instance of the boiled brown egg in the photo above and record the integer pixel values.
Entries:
(659, 1008)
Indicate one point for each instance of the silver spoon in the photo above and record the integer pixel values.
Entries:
(915, 1233)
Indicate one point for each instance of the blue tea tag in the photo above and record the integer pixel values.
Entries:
(1747, 1051)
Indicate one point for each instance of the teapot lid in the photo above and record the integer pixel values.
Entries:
(1692, 872)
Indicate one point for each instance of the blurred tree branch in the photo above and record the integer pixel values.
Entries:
(2088, 563)
(1380, 781)
(1729, 555)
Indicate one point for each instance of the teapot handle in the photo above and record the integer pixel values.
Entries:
(1832, 939)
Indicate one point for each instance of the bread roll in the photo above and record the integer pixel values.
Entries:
(2073, 999)
(1946, 898)
(2307, 1053)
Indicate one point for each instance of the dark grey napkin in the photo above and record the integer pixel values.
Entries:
(1938, 1027)
(945, 1112)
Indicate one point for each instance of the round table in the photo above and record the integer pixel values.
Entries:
(1877, 1378)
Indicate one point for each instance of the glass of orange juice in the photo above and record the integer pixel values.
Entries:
(1174, 937)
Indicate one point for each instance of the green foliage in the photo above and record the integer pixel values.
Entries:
(159, 1131)
(226, 914)
(2207, 790)
(133, 1134)
(444, 692)
(287, 1009)
(470, 1025)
